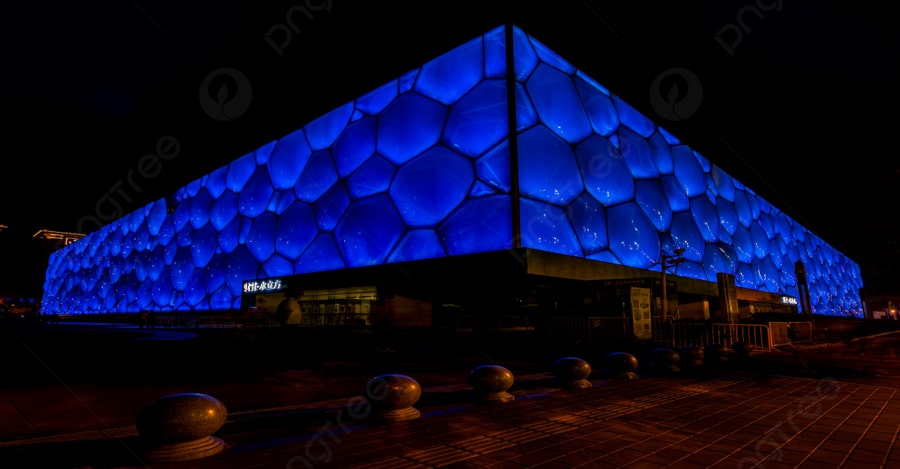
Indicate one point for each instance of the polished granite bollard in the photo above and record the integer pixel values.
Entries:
(715, 355)
(742, 349)
(180, 427)
(572, 373)
(393, 396)
(691, 357)
(665, 360)
(622, 365)
(491, 383)
(743, 353)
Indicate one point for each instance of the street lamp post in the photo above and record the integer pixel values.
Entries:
(668, 261)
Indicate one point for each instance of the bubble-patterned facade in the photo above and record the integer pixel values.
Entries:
(420, 168)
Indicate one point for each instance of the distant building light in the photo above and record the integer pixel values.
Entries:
(66, 237)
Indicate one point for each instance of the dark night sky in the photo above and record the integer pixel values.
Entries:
(800, 105)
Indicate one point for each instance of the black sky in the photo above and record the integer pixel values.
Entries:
(796, 99)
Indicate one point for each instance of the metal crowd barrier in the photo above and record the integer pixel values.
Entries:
(333, 320)
(779, 333)
(601, 328)
(701, 334)
(667, 331)
(800, 331)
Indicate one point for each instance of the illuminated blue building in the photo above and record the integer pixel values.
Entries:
(492, 147)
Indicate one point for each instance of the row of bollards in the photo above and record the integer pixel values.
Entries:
(180, 427)
(694, 358)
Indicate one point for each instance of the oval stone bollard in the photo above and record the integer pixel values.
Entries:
(491, 383)
(393, 396)
(665, 360)
(742, 348)
(743, 353)
(179, 427)
(715, 355)
(622, 365)
(572, 373)
(691, 357)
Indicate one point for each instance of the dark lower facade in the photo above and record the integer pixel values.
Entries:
(496, 290)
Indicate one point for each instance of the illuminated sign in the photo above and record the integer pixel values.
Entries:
(789, 300)
(264, 286)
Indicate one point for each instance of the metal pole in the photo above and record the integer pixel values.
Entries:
(665, 301)
(665, 261)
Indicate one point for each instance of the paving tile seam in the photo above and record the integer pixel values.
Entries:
(608, 415)
(441, 456)
(504, 439)
(522, 435)
(334, 405)
(87, 435)
(863, 433)
(777, 450)
(546, 428)
(569, 418)
(549, 427)
(394, 462)
(634, 405)
(713, 402)
(894, 438)
(799, 431)
(483, 444)
(749, 424)
(22, 415)
(526, 434)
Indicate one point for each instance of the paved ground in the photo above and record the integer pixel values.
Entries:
(72, 404)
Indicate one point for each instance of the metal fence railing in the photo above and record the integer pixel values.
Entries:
(563, 327)
(607, 328)
(800, 331)
(597, 330)
(778, 332)
(333, 320)
(585, 330)
(662, 329)
(784, 333)
(701, 334)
